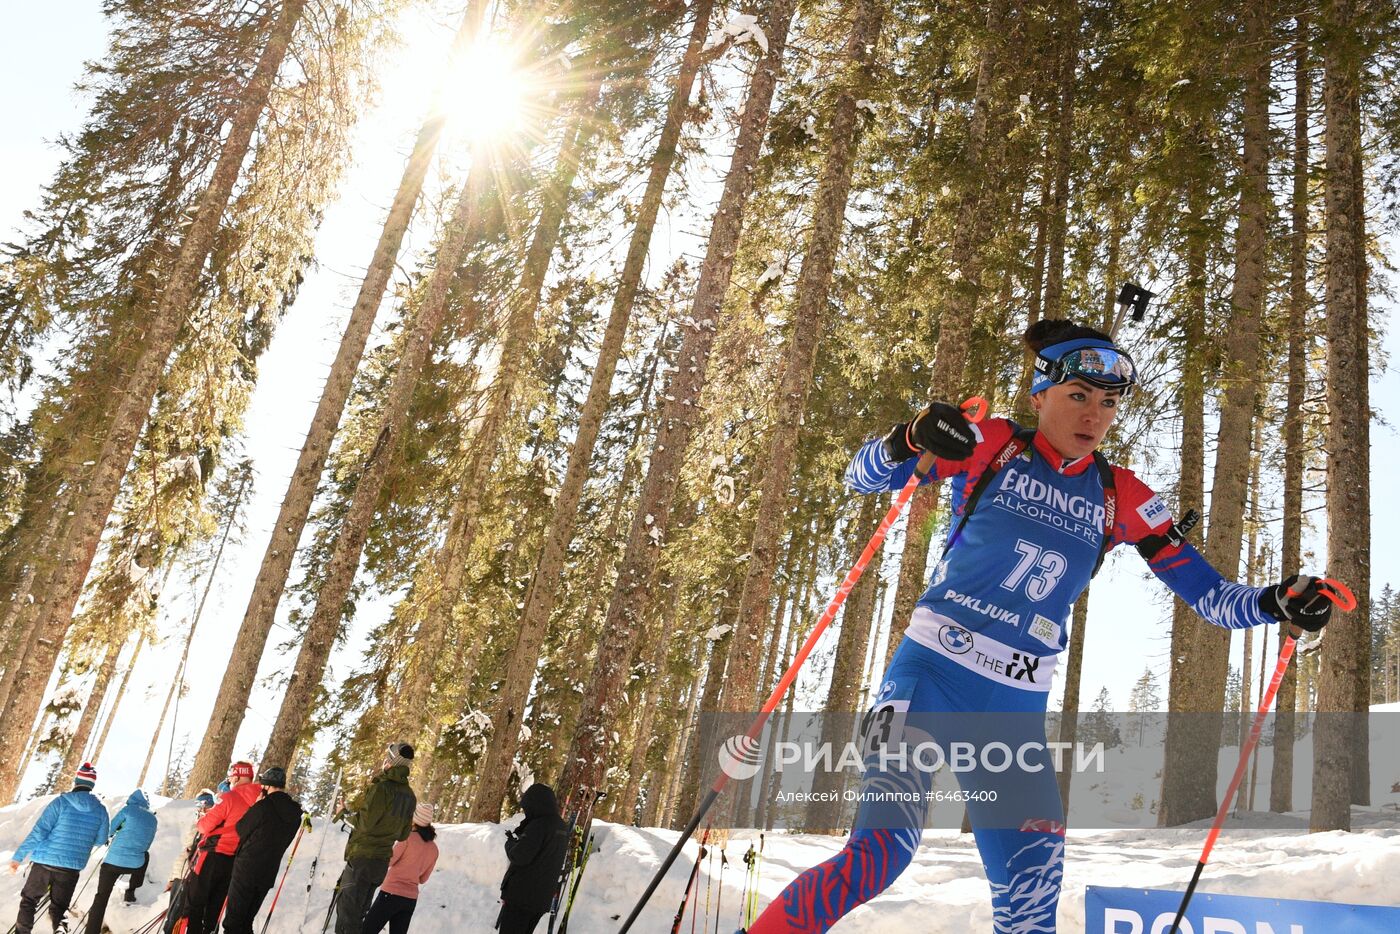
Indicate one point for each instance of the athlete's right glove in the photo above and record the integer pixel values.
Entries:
(1297, 600)
(939, 427)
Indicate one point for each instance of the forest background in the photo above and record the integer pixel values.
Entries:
(44, 55)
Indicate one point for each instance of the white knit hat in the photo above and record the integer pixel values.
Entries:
(423, 815)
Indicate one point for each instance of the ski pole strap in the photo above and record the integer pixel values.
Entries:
(1331, 588)
(975, 408)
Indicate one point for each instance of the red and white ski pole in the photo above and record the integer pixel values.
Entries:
(1345, 601)
(305, 824)
(975, 408)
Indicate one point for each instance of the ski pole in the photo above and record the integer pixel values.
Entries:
(1345, 601)
(690, 883)
(751, 913)
(976, 409)
(305, 822)
(150, 926)
(72, 910)
(719, 896)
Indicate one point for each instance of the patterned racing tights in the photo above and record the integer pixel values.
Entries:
(1016, 814)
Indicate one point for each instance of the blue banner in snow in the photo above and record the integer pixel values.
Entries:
(1151, 911)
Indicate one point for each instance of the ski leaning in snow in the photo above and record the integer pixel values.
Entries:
(579, 826)
(581, 863)
(563, 879)
(753, 863)
(690, 883)
(321, 847)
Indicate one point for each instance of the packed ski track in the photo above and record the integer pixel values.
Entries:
(943, 891)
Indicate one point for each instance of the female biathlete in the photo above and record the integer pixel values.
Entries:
(1036, 511)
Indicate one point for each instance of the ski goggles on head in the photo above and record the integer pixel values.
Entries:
(1091, 360)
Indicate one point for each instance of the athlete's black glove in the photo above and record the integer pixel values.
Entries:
(1297, 600)
(939, 427)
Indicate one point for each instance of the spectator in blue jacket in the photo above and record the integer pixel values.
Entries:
(128, 854)
(60, 844)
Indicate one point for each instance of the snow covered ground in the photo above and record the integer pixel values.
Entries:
(944, 891)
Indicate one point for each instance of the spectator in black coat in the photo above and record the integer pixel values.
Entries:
(264, 832)
(536, 850)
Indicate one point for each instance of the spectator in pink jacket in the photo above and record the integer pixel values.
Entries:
(409, 867)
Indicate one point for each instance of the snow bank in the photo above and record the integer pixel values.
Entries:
(943, 892)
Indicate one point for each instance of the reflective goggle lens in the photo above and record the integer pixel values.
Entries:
(1100, 366)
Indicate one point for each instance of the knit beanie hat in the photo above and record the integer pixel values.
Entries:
(273, 777)
(423, 815)
(399, 753)
(86, 777)
(242, 770)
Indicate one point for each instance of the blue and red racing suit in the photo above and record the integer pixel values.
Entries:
(984, 639)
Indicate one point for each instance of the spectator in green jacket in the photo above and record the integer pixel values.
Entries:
(381, 816)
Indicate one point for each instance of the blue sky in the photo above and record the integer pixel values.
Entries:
(42, 51)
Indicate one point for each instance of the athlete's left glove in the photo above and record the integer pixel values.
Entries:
(939, 427)
(1297, 600)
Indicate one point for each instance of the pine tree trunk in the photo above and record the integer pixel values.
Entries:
(779, 451)
(1069, 716)
(686, 732)
(216, 749)
(166, 320)
(843, 690)
(77, 744)
(1063, 146)
(413, 709)
(31, 745)
(678, 415)
(789, 612)
(324, 626)
(1343, 691)
(697, 764)
(117, 701)
(1281, 780)
(1189, 771)
(1023, 411)
(1191, 486)
(626, 805)
(955, 324)
(176, 685)
(778, 727)
(1252, 569)
(1263, 686)
(543, 588)
(22, 620)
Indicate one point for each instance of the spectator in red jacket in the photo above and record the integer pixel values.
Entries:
(219, 840)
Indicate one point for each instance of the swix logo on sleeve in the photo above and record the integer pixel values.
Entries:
(1154, 512)
(1021, 493)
